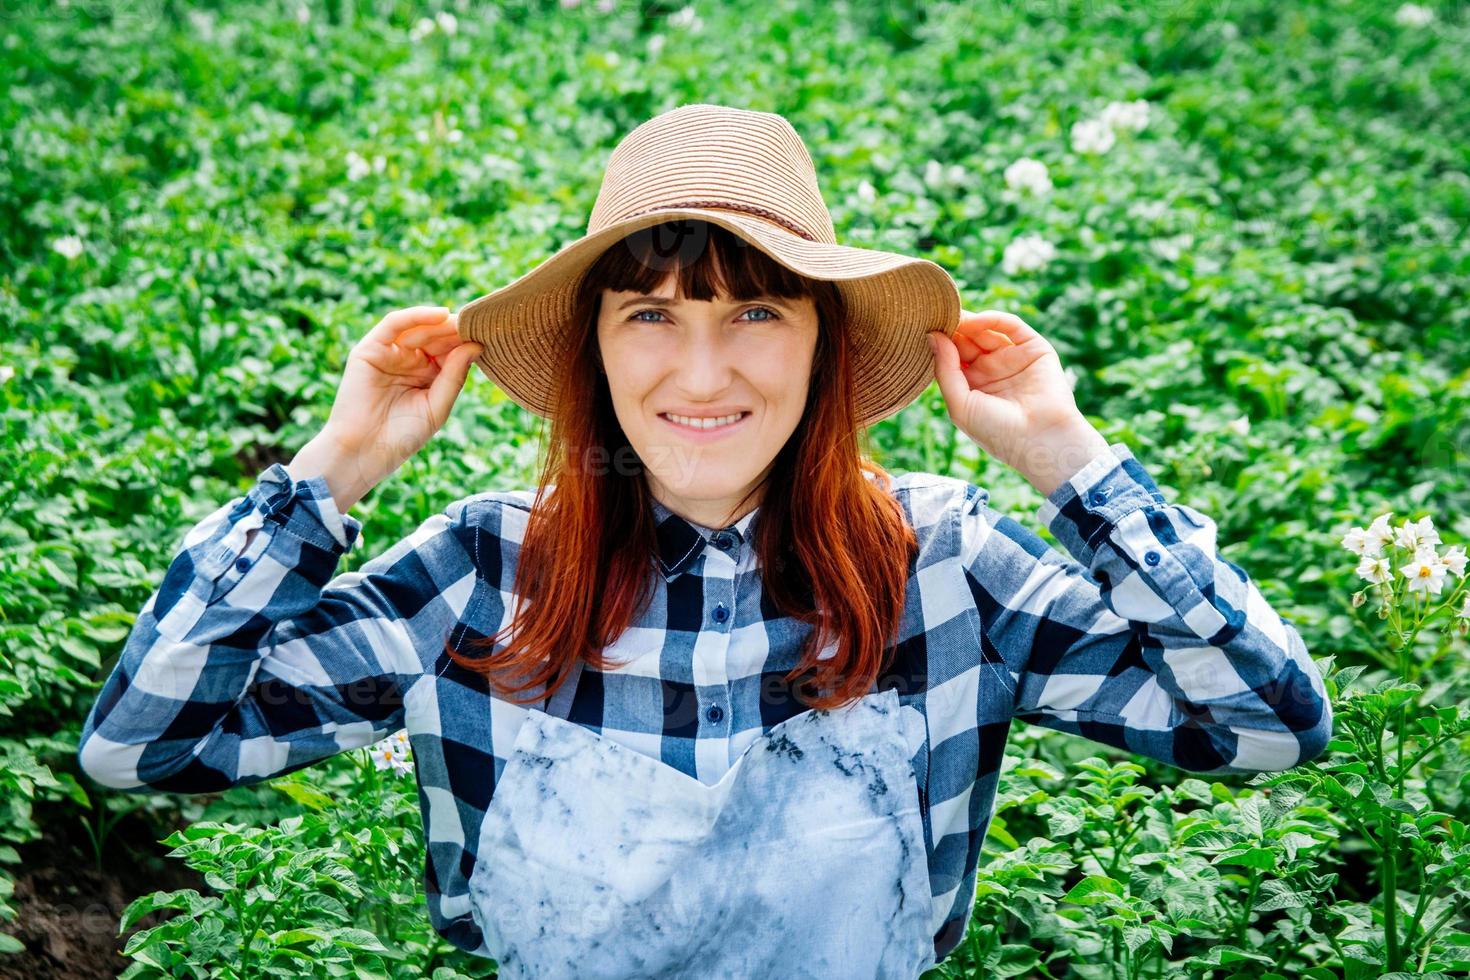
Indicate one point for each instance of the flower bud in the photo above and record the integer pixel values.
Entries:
(1383, 611)
(1360, 597)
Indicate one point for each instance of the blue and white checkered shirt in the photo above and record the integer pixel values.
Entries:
(251, 662)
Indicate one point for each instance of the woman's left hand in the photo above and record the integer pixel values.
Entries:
(1004, 387)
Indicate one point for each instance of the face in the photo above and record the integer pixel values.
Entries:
(707, 392)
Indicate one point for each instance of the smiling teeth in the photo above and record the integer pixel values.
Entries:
(705, 423)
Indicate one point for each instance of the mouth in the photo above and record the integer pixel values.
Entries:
(705, 428)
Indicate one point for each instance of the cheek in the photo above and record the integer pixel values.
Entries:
(781, 369)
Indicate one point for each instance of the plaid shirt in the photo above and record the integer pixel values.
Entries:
(251, 662)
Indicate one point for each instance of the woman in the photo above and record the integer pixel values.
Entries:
(720, 697)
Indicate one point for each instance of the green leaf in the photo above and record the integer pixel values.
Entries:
(1254, 857)
(305, 795)
(1094, 890)
(1014, 960)
(359, 939)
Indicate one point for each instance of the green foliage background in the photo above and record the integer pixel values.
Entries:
(1285, 243)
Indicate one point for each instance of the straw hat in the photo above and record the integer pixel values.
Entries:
(749, 172)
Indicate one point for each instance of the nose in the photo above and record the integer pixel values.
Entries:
(706, 367)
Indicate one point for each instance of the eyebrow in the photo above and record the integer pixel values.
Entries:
(669, 300)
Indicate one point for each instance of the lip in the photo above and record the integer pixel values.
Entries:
(705, 435)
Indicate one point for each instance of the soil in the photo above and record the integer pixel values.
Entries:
(68, 914)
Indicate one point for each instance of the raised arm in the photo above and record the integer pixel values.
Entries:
(1150, 640)
(250, 660)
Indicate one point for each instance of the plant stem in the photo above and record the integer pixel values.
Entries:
(1429, 934)
(1389, 870)
(1238, 932)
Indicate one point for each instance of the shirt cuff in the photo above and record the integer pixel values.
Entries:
(304, 508)
(1081, 512)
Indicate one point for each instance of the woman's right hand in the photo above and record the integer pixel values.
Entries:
(397, 389)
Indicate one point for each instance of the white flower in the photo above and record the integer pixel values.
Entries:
(392, 753)
(1092, 136)
(606, 6)
(1374, 569)
(6, 373)
(1379, 534)
(686, 17)
(1170, 248)
(570, 4)
(1131, 116)
(448, 23)
(655, 44)
(866, 192)
(1464, 612)
(422, 135)
(937, 175)
(1425, 572)
(1240, 426)
(1148, 210)
(357, 167)
(1413, 535)
(454, 135)
(303, 13)
(1356, 541)
(421, 29)
(1413, 15)
(1027, 254)
(67, 246)
(1454, 560)
(203, 22)
(1028, 175)
(1071, 374)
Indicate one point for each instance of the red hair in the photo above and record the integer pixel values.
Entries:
(835, 555)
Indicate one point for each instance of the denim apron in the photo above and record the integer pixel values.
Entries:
(806, 859)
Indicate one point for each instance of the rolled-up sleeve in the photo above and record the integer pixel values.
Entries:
(1146, 638)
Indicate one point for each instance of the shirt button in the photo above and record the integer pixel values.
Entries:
(1152, 557)
(721, 613)
(1099, 496)
(715, 712)
(242, 563)
(723, 541)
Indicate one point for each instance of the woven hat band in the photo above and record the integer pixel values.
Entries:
(751, 209)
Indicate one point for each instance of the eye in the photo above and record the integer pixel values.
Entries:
(638, 314)
(756, 309)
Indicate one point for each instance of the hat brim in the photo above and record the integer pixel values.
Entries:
(893, 301)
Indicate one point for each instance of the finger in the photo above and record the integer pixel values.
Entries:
(398, 321)
(992, 340)
(440, 335)
(454, 368)
(969, 350)
(1008, 325)
(948, 372)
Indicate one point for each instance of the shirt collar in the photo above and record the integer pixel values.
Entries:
(680, 541)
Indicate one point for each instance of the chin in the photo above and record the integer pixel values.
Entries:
(705, 483)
